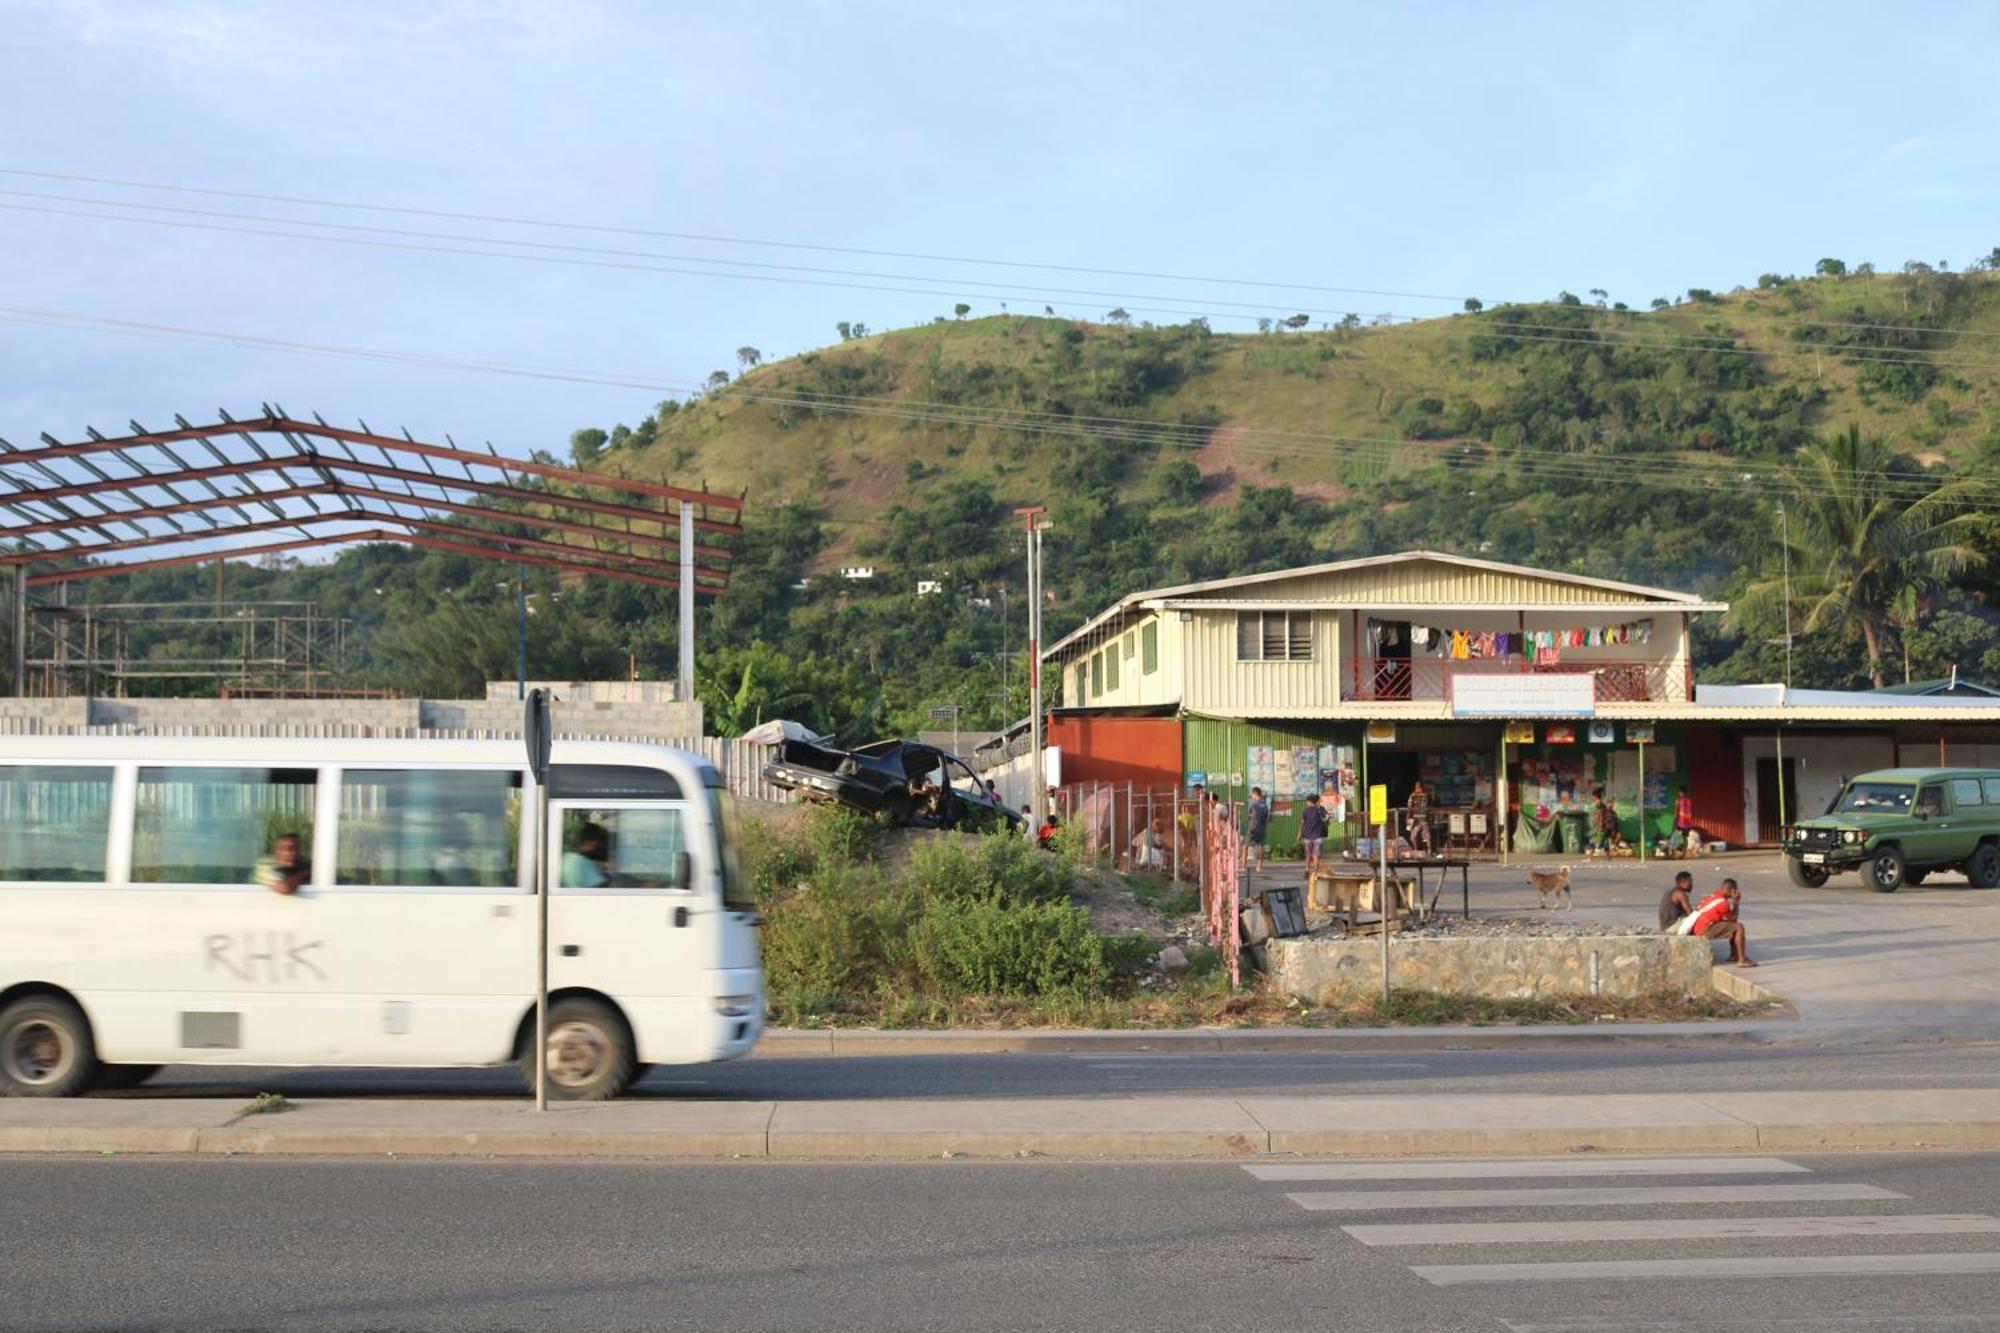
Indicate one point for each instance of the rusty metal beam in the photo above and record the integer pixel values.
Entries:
(572, 476)
(251, 466)
(352, 538)
(716, 579)
(168, 511)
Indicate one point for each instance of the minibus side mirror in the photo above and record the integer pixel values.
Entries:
(683, 870)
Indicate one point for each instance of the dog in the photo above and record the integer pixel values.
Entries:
(1552, 884)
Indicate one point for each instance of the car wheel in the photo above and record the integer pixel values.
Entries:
(1982, 868)
(45, 1049)
(1803, 875)
(590, 1053)
(1885, 870)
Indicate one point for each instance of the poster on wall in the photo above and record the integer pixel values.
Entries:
(1601, 733)
(1661, 763)
(1637, 733)
(1305, 772)
(1520, 733)
(1262, 768)
(1280, 784)
(1197, 779)
(1559, 733)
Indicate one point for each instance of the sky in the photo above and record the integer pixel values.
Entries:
(1430, 150)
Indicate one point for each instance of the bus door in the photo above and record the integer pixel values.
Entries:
(625, 915)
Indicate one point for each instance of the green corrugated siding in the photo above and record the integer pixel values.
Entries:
(1220, 747)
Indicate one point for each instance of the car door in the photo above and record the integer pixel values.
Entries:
(1930, 835)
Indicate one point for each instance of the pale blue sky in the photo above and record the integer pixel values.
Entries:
(1451, 149)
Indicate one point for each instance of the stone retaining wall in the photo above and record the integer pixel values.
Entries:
(1327, 971)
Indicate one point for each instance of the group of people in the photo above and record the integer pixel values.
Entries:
(1716, 917)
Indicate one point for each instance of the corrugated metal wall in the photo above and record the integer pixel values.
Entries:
(1217, 682)
(1424, 582)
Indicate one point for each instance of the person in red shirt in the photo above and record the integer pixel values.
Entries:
(1715, 918)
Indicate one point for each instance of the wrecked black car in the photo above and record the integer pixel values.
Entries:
(905, 782)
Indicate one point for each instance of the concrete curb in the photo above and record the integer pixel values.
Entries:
(860, 1042)
(1077, 1129)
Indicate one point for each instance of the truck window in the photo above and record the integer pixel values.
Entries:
(1930, 801)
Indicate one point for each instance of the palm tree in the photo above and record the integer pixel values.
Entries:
(1866, 546)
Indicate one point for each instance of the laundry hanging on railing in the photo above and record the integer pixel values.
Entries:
(1543, 645)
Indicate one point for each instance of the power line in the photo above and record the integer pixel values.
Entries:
(1376, 449)
(715, 239)
(608, 229)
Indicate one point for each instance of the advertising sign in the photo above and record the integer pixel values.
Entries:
(1540, 695)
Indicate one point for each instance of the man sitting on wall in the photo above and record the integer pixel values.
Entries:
(1716, 919)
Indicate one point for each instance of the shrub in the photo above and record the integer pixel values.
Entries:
(991, 948)
(841, 834)
(837, 940)
(998, 867)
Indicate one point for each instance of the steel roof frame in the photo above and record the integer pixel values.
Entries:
(44, 511)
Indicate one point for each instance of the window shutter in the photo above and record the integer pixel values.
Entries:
(1300, 638)
(1149, 648)
(1274, 636)
(1247, 642)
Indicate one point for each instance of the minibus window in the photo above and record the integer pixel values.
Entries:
(735, 889)
(210, 825)
(430, 827)
(621, 849)
(54, 823)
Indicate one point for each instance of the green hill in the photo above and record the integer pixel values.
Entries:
(1625, 444)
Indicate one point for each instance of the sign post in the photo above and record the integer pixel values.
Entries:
(537, 732)
(1378, 815)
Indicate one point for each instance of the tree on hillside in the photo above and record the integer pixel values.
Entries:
(1120, 316)
(1473, 305)
(1296, 322)
(1660, 303)
(586, 445)
(1599, 295)
(749, 356)
(1864, 553)
(846, 330)
(1263, 324)
(716, 379)
(1830, 268)
(961, 310)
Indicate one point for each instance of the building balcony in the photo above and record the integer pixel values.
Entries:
(1402, 679)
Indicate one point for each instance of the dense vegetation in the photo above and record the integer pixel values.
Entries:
(1650, 446)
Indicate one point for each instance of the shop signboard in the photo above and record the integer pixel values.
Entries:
(1381, 733)
(1639, 733)
(1520, 733)
(1600, 733)
(1567, 694)
(1197, 779)
(1560, 733)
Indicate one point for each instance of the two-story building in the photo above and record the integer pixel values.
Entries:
(1501, 689)
(1495, 686)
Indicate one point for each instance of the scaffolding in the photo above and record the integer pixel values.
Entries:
(244, 649)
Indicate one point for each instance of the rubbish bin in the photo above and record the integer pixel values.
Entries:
(1575, 826)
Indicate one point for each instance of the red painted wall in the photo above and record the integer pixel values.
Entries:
(1715, 780)
(1144, 751)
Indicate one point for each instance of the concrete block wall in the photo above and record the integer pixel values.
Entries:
(265, 717)
(255, 714)
(665, 721)
(1328, 971)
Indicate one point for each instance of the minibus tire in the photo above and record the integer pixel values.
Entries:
(116, 1078)
(600, 1060)
(46, 1048)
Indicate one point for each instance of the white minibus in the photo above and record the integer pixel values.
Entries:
(364, 902)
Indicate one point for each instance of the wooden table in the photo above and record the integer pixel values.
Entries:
(1443, 865)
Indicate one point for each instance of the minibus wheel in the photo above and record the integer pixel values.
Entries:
(45, 1048)
(590, 1052)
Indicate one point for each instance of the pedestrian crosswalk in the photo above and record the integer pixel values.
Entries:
(1639, 1208)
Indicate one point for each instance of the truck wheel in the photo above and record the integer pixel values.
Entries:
(1982, 868)
(1803, 875)
(45, 1049)
(1885, 870)
(590, 1053)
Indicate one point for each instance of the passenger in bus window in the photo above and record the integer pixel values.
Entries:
(583, 866)
(284, 870)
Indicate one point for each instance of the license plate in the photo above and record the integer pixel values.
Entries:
(1814, 858)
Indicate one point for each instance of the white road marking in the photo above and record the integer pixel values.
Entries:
(1527, 1167)
(1356, 1201)
(1675, 1228)
(1818, 1323)
(1683, 1271)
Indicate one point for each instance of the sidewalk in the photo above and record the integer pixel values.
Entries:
(1072, 1127)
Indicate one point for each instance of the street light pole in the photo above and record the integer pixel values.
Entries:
(520, 634)
(1037, 773)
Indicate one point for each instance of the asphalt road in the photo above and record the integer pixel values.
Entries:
(1599, 1069)
(1830, 1244)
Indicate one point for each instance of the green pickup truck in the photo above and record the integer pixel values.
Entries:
(1900, 824)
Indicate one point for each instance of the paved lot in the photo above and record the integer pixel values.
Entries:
(1832, 1244)
(1841, 953)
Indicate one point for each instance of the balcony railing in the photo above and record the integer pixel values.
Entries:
(1429, 678)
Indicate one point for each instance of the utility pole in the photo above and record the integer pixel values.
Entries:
(520, 634)
(1037, 775)
(687, 604)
